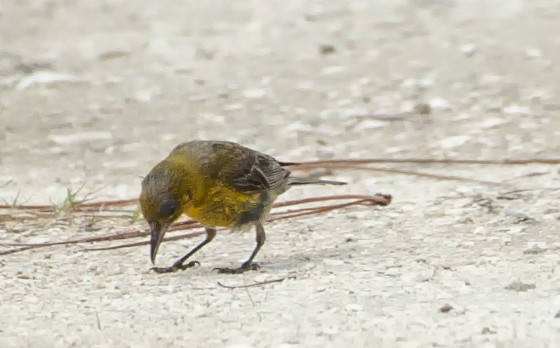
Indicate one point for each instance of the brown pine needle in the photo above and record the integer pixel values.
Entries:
(352, 164)
(108, 207)
(27, 246)
(398, 171)
(130, 245)
(274, 216)
(504, 161)
(86, 207)
(377, 199)
(255, 284)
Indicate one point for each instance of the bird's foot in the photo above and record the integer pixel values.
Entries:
(247, 266)
(176, 267)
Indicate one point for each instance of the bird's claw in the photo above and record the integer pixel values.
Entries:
(175, 267)
(244, 268)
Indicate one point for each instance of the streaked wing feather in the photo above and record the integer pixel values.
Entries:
(258, 172)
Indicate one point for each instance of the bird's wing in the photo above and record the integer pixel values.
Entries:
(242, 168)
(255, 171)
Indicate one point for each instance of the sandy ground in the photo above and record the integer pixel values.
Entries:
(92, 94)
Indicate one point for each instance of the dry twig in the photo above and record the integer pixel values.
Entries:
(255, 284)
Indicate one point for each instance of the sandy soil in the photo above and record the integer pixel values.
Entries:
(92, 94)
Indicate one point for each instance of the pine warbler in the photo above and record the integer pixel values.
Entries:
(219, 184)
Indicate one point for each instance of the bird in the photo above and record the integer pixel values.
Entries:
(218, 184)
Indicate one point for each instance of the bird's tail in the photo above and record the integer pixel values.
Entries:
(310, 181)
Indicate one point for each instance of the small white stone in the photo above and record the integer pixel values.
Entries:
(168, 137)
(533, 53)
(373, 124)
(333, 70)
(454, 141)
(354, 307)
(469, 49)
(254, 93)
(333, 262)
(80, 137)
(493, 122)
(516, 229)
(419, 276)
(425, 83)
(439, 103)
(541, 245)
(233, 107)
(143, 96)
(46, 78)
(57, 150)
(516, 110)
(479, 230)
(392, 272)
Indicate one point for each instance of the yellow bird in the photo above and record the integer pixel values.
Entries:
(219, 184)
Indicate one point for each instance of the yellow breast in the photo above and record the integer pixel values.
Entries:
(221, 206)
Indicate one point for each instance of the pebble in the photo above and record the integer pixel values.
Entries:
(83, 137)
(516, 110)
(492, 122)
(254, 93)
(392, 272)
(327, 49)
(333, 70)
(518, 216)
(454, 141)
(469, 49)
(47, 78)
(533, 53)
(333, 262)
(423, 109)
(373, 124)
(520, 287)
(439, 104)
(446, 308)
(535, 248)
(354, 307)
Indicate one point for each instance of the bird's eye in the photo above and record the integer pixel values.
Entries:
(187, 196)
(169, 207)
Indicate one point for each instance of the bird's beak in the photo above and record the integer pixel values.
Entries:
(158, 231)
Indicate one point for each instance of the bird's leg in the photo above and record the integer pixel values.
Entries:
(248, 265)
(179, 264)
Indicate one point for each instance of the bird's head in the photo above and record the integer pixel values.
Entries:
(162, 201)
